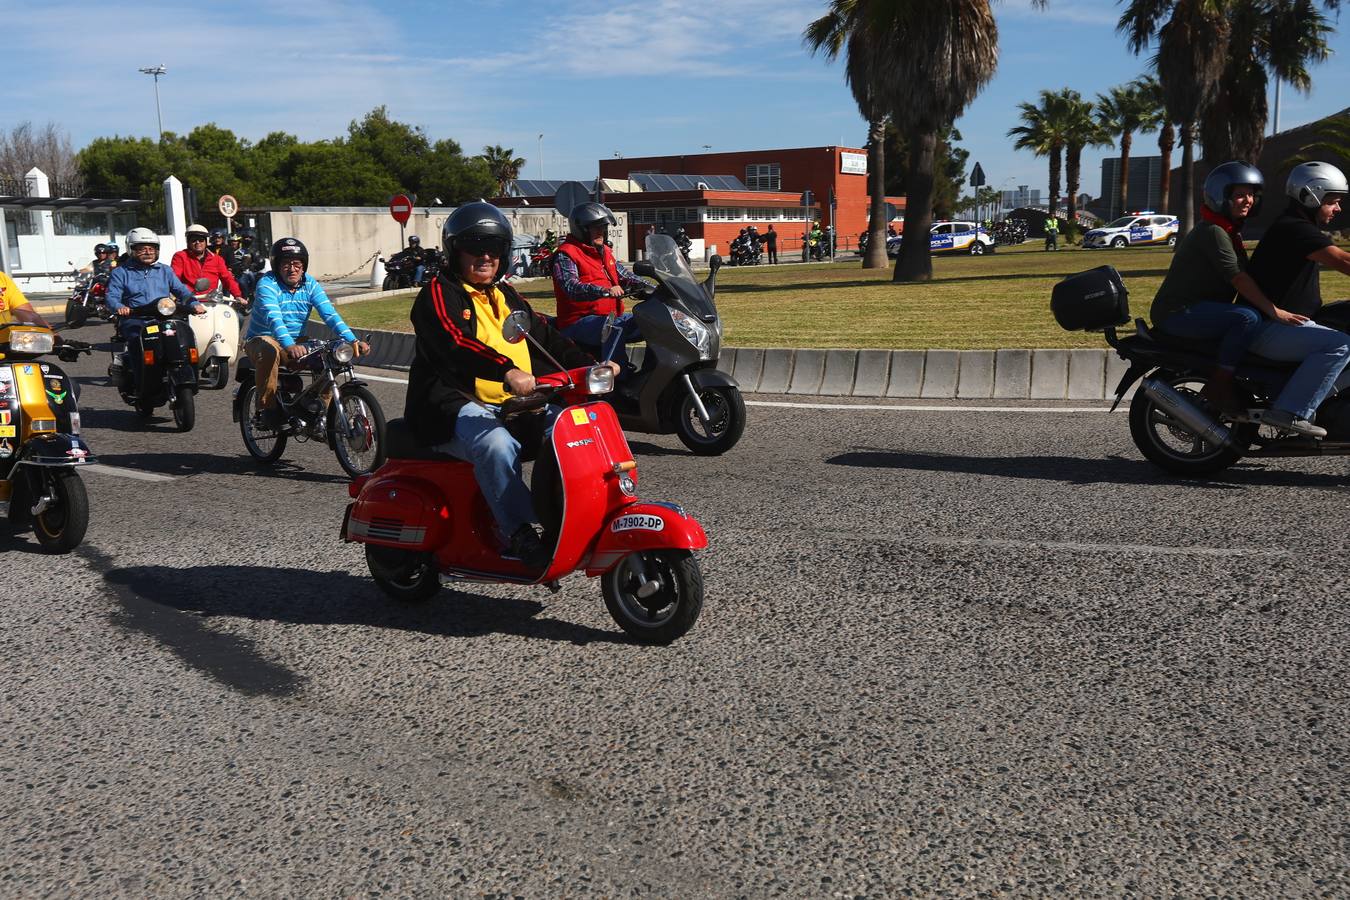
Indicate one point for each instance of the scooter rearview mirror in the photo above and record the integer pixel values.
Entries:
(201, 284)
(644, 268)
(516, 327)
(607, 329)
(715, 263)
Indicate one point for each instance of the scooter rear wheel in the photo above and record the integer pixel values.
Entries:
(666, 613)
(1168, 444)
(404, 575)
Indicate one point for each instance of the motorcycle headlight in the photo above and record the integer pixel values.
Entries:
(695, 332)
(166, 306)
(31, 341)
(343, 353)
(600, 380)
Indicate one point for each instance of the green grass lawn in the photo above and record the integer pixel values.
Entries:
(996, 301)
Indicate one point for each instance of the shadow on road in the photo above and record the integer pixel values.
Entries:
(302, 597)
(647, 449)
(182, 465)
(1075, 470)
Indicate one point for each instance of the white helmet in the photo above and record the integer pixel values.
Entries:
(1310, 183)
(141, 236)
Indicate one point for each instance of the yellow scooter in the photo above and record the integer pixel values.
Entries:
(40, 445)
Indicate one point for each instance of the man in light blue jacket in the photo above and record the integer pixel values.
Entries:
(282, 303)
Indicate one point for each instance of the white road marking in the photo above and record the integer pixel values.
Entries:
(133, 474)
(873, 406)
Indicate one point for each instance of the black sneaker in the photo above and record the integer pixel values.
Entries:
(528, 548)
(270, 419)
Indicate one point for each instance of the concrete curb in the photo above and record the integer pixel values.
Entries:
(926, 374)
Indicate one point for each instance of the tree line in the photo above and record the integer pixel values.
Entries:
(917, 65)
(377, 158)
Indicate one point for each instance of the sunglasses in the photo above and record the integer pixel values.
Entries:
(480, 247)
(196, 238)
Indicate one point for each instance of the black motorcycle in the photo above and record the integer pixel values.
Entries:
(87, 300)
(159, 365)
(351, 423)
(1171, 424)
(401, 271)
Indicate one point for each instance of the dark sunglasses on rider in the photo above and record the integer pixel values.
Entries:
(478, 246)
(192, 239)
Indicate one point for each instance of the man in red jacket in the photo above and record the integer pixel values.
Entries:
(588, 282)
(198, 262)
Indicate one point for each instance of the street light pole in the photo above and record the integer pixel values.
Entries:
(541, 157)
(157, 71)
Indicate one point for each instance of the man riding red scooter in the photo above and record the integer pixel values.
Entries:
(452, 499)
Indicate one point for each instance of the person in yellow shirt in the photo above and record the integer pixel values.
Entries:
(14, 306)
(463, 370)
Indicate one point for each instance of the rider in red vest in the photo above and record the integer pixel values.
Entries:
(588, 282)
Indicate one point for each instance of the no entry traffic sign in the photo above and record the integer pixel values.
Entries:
(401, 208)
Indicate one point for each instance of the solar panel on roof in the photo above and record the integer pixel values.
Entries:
(652, 181)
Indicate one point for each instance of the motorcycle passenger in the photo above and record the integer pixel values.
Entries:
(1285, 266)
(1195, 300)
(588, 282)
(216, 243)
(284, 299)
(463, 370)
(199, 262)
(115, 257)
(134, 288)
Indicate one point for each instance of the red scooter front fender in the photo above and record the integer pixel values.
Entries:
(644, 525)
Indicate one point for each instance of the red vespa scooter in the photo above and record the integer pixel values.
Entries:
(422, 516)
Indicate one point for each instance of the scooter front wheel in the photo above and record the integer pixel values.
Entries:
(403, 575)
(654, 595)
(726, 420)
(61, 526)
(75, 313)
(184, 408)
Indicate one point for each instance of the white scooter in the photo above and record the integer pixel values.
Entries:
(216, 332)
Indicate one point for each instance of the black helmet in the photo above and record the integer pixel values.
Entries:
(248, 234)
(580, 220)
(217, 235)
(479, 220)
(289, 248)
(1221, 181)
(100, 248)
(112, 248)
(414, 241)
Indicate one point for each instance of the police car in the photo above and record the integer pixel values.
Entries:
(1134, 230)
(952, 237)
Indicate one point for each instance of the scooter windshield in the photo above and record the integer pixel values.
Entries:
(665, 256)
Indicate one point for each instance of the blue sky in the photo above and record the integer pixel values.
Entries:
(633, 77)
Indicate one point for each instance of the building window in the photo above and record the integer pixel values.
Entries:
(764, 177)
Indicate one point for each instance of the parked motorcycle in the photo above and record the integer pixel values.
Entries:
(86, 300)
(216, 334)
(679, 388)
(40, 445)
(167, 351)
(1171, 424)
(422, 516)
(351, 423)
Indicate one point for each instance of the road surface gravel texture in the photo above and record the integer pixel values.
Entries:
(942, 654)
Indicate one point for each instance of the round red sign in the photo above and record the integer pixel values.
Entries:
(401, 208)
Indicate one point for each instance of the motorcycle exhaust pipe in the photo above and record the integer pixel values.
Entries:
(1170, 401)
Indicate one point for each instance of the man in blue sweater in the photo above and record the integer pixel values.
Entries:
(281, 304)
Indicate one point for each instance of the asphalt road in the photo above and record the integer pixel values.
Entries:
(942, 652)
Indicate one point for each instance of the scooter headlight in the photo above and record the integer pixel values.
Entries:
(343, 353)
(600, 380)
(695, 332)
(166, 306)
(31, 341)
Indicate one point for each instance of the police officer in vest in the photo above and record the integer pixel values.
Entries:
(588, 282)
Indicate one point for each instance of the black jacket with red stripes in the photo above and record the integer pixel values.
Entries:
(449, 356)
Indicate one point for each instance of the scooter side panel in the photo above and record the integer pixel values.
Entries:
(400, 509)
(644, 526)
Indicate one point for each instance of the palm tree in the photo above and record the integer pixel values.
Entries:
(1122, 111)
(1155, 118)
(1081, 131)
(832, 33)
(503, 165)
(1192, 37)
(931, 62)
(1044, 133)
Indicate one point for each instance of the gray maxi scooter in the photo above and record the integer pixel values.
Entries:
(678, 388)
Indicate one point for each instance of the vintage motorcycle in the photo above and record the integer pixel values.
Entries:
(422, 516)
(167, 352)
(351, 422)
(1173, 427)
(40, 445)
(86, 300)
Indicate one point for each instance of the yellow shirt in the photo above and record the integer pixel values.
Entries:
(10, 299)
(491, 311)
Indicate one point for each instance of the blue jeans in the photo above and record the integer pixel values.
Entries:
(248, 280)
(417, 274)
(482, 438)
(586, 330)
(1324, 354)
(1233, 326)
